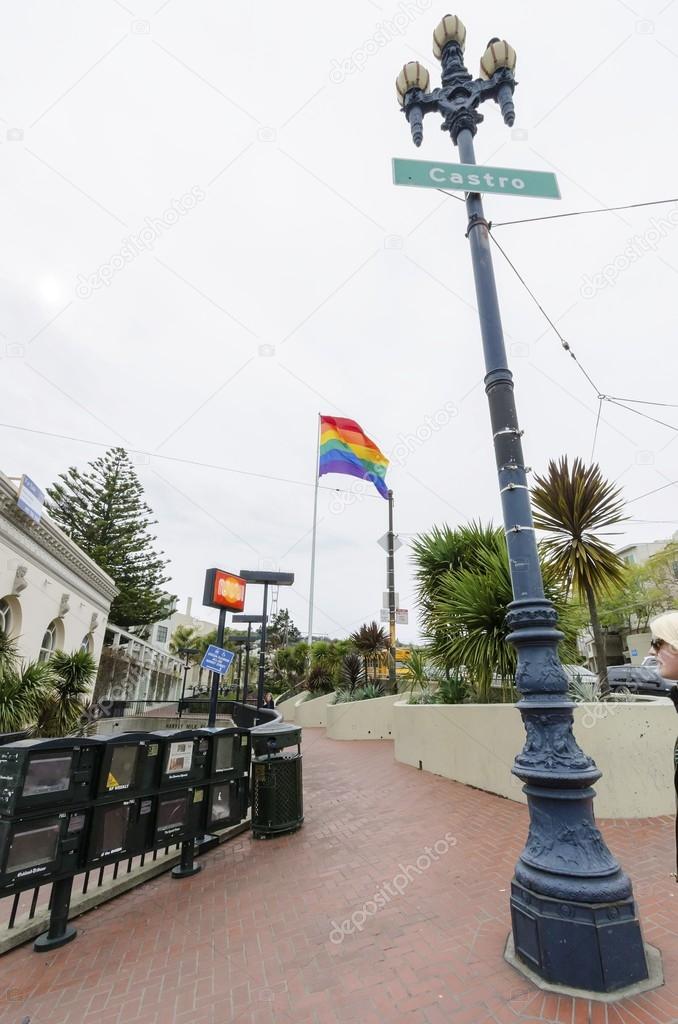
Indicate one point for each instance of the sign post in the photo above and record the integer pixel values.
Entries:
(225, 591)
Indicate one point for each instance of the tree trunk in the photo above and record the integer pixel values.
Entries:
(598, 641)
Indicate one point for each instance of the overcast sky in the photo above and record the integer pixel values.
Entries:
(241, 154)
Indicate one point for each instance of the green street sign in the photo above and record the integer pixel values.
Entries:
(474, 178)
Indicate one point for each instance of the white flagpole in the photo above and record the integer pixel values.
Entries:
(315, 524)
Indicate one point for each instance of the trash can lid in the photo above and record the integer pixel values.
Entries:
(274, 736)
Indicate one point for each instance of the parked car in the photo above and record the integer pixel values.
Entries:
(643, 679)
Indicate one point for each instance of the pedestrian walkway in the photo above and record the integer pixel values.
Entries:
(390, 906)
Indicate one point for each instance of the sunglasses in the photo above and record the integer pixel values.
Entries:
(657, 644)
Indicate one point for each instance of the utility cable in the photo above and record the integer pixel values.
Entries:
(562, 340)
(581, 213)
(175, 458)
(639, 401)
(656, 490)
(595, 432)
(644, 415)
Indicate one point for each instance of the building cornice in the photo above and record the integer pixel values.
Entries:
(46, 543)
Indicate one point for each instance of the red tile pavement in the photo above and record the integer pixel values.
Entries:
(247, 941)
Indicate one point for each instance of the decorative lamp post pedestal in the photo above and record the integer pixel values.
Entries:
(574, 921)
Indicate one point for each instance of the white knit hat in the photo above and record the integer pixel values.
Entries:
(666, 628)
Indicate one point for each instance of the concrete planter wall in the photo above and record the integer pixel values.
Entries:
(288, 707)
(632, 744)
(313, 712)
(362, 719)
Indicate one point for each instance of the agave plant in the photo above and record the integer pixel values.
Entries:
(571, 506)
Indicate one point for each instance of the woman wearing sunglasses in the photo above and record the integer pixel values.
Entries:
(665, 645)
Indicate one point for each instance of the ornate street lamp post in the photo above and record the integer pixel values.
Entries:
(573, 915)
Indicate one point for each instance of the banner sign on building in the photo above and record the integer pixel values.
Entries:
(31, 498)
(224, 590)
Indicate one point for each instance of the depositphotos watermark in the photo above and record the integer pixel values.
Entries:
(386, 31)
(390, 890)
(138, 243)
(635, 249)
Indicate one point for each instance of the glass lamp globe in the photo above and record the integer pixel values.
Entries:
(499, 54)
(412, 76)
(450, 30)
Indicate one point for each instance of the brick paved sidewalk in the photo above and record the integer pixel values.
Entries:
(248, 941)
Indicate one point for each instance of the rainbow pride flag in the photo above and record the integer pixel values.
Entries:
(346, 448)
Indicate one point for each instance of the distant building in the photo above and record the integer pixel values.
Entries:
(52, 595)
(638, 554)
(161, 632)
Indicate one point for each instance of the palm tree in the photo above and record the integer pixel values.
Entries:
(571, 506)
(183, 638)
(464, 604)
(371, 641)
(72, 679)
(23, 689)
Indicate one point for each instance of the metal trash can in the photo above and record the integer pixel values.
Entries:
(277, 796)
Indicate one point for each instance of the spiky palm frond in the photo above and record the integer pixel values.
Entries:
(72, 680)
(571, 505)
(466, 625)
(24, 692)
(352, 673)
(370, 638)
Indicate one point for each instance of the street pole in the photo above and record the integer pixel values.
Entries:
(573, 914)
(183, 686)
(390, 585)
(262, 652)
(214, 695)
(247, 662)
(239, 674)
(311, 593)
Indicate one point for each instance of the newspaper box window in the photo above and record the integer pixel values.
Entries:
(129, 765)
(180, 816)
(120, 830)
(34, 850)
(41, 773)
(185, 755)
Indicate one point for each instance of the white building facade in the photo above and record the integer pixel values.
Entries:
(52, 595)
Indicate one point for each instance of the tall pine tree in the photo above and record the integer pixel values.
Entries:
(103, 511)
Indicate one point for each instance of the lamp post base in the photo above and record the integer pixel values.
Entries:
(654, 980)
(592, 947)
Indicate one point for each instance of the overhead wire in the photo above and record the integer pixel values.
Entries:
(580, 213)
(176, 458)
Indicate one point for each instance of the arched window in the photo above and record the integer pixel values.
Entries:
(5, 618)
(48, 645)
(86, 643)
